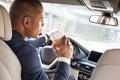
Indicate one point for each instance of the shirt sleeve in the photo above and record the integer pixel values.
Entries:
(63, 59)
(30, 62)
(31, 67)
(39, 42)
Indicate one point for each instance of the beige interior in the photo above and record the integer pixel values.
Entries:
(108, 67)
(75, 72)
(10, 68)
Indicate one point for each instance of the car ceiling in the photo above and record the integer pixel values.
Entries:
(114, 3)
(72, 2)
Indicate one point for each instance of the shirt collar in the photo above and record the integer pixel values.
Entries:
(15, 33)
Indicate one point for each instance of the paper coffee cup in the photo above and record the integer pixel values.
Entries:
(57, 38)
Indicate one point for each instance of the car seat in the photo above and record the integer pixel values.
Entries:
(10, 68)
(108, 67)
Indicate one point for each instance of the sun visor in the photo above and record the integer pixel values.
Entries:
(99, 5)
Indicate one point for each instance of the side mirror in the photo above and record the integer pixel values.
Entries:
(106, 20)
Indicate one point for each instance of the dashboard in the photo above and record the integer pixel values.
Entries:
(84, 62)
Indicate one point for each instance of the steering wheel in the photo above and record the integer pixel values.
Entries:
(48, 59)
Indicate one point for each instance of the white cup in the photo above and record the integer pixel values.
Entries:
(57, 37)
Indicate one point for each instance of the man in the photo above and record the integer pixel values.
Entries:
(27, 21)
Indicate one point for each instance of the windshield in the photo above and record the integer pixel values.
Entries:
(74, 22)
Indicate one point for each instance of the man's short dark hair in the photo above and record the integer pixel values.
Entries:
(23, 7)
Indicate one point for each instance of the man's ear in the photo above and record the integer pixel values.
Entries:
(27, 22)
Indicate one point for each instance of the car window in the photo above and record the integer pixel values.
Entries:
(74, 22)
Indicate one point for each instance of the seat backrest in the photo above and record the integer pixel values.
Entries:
(10, 68)
(108, 67)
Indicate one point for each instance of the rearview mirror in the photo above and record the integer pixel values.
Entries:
(99, 19)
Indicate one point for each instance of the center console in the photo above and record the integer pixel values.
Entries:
(85, 69)
(87, 66)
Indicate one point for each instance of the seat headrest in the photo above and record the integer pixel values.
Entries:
(108, 67)
(110, 57)
(5, 24)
